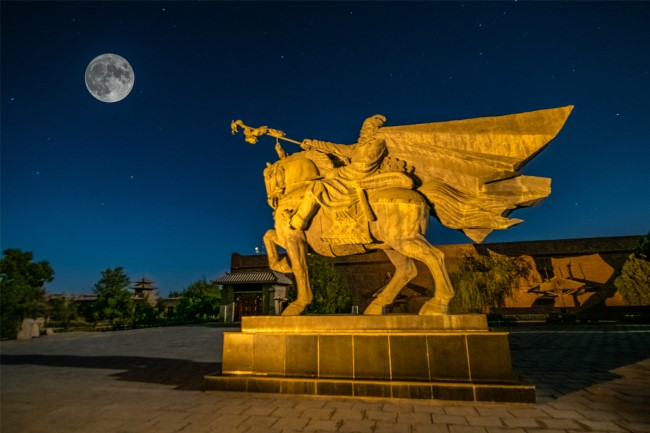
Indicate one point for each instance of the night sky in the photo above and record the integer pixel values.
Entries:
(157, 184)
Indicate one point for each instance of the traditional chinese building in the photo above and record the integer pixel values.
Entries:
(145, 290)
(251, 289)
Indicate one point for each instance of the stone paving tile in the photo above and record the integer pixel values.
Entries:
(600, 415)
(560, 424)
(296, 424)
(223, 429)
(398, 406)
(449, 419)
(348, 414)
(362, 405)
(260, 421)
(602, 425)
(636, 412)
(466, 429)
(322, 425)
(343, 403)
(461, 411)
(224, 420)
(414, 418)
(389, 427)
(494, 411)
(561, 414)
(640, 427)
(545, 430)
(310, 404)
(259, 430)
(377, 415)
(361, 426)
(486, 421)
(521, 422)
(506, 430)
(429, 408)
(286, 412)
(527, 413)
(232, 409)
(259, 410)
(429, 428)
(318, 413)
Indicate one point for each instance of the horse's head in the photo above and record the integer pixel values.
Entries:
(289, 174)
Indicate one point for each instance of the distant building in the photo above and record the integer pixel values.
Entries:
(144, 289)
(252, 292)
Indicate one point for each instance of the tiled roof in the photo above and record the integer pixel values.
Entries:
(264, 277)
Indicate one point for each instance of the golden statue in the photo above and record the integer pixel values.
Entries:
(379, 193)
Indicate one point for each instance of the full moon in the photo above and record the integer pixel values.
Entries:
(109, 78)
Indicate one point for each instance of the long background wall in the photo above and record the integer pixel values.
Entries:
(367, 273)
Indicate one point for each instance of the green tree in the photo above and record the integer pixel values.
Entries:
(21, 289)
(200, 302)
(634, 282)
(114, 299)
(145, 314)
(485, 281)
(62, 311)
(331, 293)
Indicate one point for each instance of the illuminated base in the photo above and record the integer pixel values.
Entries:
(402, 356)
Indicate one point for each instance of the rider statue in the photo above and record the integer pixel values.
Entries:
(357, 164)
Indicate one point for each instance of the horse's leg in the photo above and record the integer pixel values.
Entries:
(271, 242)
(296, 246)
(419, 248)
(405, 271)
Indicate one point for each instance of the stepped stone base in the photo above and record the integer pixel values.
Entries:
(403, 356)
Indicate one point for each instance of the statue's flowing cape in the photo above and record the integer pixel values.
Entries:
(468, 169)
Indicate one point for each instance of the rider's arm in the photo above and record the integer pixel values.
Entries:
(327, 147)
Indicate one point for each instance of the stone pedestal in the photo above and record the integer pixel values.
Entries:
(403, 356)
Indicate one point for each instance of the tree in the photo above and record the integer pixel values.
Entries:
(200, 302)
(62, 311)
(634, 282)
(331, 293)
(144, 314)
(114, 299)
(22, 293)
(485, 281)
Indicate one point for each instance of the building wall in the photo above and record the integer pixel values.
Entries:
(367, 273)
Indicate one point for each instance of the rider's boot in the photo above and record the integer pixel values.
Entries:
(308, 207)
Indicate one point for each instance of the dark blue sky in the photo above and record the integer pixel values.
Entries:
(157, 184)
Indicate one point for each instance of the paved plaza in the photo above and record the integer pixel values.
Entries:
(590, 378)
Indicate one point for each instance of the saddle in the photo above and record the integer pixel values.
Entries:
(345, 220)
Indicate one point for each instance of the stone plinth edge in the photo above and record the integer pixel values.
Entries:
(398, 323)
(501, 393)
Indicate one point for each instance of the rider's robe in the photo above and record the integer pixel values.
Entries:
(468, 169)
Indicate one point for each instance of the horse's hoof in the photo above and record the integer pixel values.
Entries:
(434, 307)
(294, 309)
(373, 310)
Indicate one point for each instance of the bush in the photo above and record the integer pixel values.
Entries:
(484, 282)
(331, 294)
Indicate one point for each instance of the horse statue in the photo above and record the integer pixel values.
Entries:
(379, 194)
